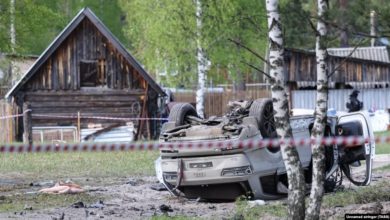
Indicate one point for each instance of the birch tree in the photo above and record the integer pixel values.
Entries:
(201, 62)
(318, 151)
(296, 183)
(12, 34)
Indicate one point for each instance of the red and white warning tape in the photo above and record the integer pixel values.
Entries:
(83, 117)
(14, 116)
(98, 117)
(215, 145)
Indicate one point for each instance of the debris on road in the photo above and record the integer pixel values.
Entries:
(62, 188)
(78, 205)
(158, 187)
(98, 205)
(255, 203)
(164, 208)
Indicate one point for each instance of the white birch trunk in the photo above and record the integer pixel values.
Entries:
(12, 34)
(318, 151)
(201, 63)
(296, 183)
(12, 26)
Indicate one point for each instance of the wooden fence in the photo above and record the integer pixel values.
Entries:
(216, 101)
(7, 126)
(3, 91)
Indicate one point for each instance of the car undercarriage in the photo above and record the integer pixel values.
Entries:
(229, 170)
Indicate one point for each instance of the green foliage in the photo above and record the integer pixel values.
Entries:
(19, 202)
(376, 193)
(383, 148)
(296, 18)
(38, 22)
(163, 35)
(94, 164)
(243, 211)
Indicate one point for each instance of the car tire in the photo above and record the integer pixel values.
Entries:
(263, 111)
(179, 112)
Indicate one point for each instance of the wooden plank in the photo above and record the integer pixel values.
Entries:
(77, 99)
(90, 109)
(52, 116)
(27, 125)
(87, 92)
(80, 104)
(59, 56)
(54, 73)
(74, 63)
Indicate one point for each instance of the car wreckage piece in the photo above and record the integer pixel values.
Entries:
(227, 173)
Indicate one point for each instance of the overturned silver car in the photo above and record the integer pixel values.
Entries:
(225, 173)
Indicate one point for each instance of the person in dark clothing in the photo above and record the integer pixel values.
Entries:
(354, 104)
(169, 102)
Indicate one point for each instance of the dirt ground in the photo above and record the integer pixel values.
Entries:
(132, 198)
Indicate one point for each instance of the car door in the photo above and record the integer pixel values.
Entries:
(357, 150)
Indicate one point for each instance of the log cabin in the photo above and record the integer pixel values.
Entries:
(86, 71)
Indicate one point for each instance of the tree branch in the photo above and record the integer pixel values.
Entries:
(345, 59)
(257, 69)
(250, 50)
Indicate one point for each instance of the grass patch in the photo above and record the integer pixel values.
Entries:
(18, 203)
(243, 211)
(83, 164)
(384, 168)
(377, 193)
(385, 147)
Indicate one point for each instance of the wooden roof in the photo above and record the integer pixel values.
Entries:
(88, 14)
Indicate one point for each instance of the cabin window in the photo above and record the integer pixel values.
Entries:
(89, 73)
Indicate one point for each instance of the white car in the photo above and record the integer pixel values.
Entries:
(225, 173)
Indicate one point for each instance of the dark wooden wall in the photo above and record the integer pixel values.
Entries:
(301, 66)
(62, 70)
(57, 87)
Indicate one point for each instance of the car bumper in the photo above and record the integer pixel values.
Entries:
(206, 170)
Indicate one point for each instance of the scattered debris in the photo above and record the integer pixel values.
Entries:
(97, 205)
(255, 203)
(134, 209)
(164, 208)
(61, 188)
(27, 207)
(212, 207)
(78, 205)
(43, 183)
(134, 182)
(158, 187)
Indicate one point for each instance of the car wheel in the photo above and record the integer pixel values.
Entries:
(179, 112)
(263, 111)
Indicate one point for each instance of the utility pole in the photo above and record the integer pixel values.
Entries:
(373, 27)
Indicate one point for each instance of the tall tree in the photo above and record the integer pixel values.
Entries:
(317, 132)
(202, 62)
(296, 182)
(163, 35)
(12, 26)
(12, 34)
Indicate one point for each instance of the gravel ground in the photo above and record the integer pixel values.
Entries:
(133, 198)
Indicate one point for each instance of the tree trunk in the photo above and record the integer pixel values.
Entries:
(12, 33)
(343, 4)
(318, 151)
(296, 183)
(201, 63)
